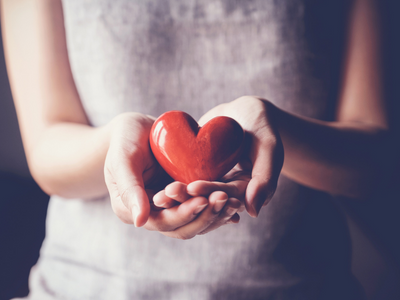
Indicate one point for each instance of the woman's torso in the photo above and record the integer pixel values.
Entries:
(153, 56)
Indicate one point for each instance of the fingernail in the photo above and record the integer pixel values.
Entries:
(219, 205)
(190, 190)
(231, 210)
(257, 207)
(135, 214)
(171, 196)
(200, 208)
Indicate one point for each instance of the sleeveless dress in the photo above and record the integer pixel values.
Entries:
(152, 56)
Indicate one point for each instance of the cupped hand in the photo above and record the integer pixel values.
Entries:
(263, 147)
(225, 200)
(217, 211)
(129, 166)
(133, 176)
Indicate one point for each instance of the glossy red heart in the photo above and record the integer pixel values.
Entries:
(188, 152)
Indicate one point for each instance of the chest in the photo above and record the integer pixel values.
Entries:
(153, 56)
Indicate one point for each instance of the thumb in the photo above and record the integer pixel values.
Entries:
(136, 200)
(129, 179)
(267, 156)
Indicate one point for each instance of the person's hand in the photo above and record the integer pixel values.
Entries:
(263, 154)
(133, 176)
(225, 199)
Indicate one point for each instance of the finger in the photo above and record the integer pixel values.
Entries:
(234, 220)
(128, 178)
(218, 200)
(135, 199)
(235, 189)
(173, 194)
(150, 195)
(230, 211)
(177, 216)
(177, 191)
(203, 222)
(161, 200)
(116, 203)
(267, 158)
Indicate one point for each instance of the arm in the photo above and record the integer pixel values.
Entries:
(347, 156)
(66, 155)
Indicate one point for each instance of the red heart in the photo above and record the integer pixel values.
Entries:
(188, 152)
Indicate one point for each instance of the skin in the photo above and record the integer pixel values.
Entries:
(70, 158)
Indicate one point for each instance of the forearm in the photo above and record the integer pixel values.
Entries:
(65, 155)
(346, 158)
(68, 160)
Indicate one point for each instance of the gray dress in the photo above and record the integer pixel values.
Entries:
(152, 56)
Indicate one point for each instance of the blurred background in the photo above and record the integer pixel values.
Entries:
(23, 205)
(374, 223)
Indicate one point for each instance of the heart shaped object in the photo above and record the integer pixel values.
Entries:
(188, 152)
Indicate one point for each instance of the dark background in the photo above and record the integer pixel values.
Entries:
(23, 205)
(374, 224)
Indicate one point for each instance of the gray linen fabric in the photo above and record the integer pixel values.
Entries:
(152, 56)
